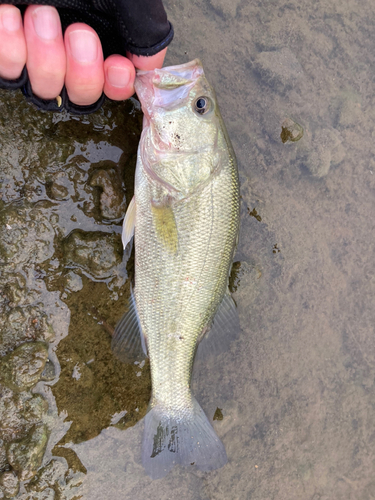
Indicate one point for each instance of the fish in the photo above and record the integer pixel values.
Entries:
(184, 217)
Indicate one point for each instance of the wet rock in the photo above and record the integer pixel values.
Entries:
(20, 324)
(12, 424)
(3, 457)
(112, 199)
(49, 372)
(26, 455)
(279, 68)
(9, 483)
(34, 409)
(50, 476)
(73, 282)
(95, 252)
(19, 412)
(291, 131)
(13, 290)
(218, 415)
(60, 187)
(22, 368)
(26, 235)
(324, 149)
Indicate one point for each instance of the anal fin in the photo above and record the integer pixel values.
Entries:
(128, 342)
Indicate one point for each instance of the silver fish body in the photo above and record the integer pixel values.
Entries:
(186, 217)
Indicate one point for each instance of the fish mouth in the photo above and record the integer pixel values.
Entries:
(178, 69)
(166, 87)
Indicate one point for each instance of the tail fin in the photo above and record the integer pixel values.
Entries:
(186, 439)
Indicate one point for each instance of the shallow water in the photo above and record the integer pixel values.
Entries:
(296, 388)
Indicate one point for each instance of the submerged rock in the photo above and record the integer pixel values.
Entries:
(9, 484)
(95, 252)
(18, 413)
(22, 368)
(3, 457)
(26, 455)
(290, 131)
(21, 324)
(50, 476)
(325, 149)
(112, 199)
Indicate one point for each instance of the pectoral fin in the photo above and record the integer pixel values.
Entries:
(165, 226)
(128, 224)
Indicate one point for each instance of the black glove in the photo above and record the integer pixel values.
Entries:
(138, 26)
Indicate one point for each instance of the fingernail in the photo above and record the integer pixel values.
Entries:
(46, 22)
(118, 77)
(83, 46)
(11, 19)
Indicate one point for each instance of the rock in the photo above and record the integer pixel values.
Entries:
(50, 476)
(22, 368)
(60, 187)
(290, 131)
(73, 282)
(49, 372)
(12, 425)
(22, 324)
(112, 199)
(9, 484)
(18, 413)
(34, 409)
(279, 68)
(95, 252)
(3, 457)
(21, 242)
(26, 455)
(324, 149)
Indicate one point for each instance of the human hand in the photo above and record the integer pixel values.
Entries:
(74, 59)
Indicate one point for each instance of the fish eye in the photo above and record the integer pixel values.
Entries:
(202, 105)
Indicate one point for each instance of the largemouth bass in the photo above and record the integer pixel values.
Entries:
(185, 219)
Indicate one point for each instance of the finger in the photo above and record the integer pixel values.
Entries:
(46, 62)
(84, 79)
(119, 77)
(148, 63)
(12, 43)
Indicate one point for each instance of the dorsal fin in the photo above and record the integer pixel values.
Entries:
(224, 328)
